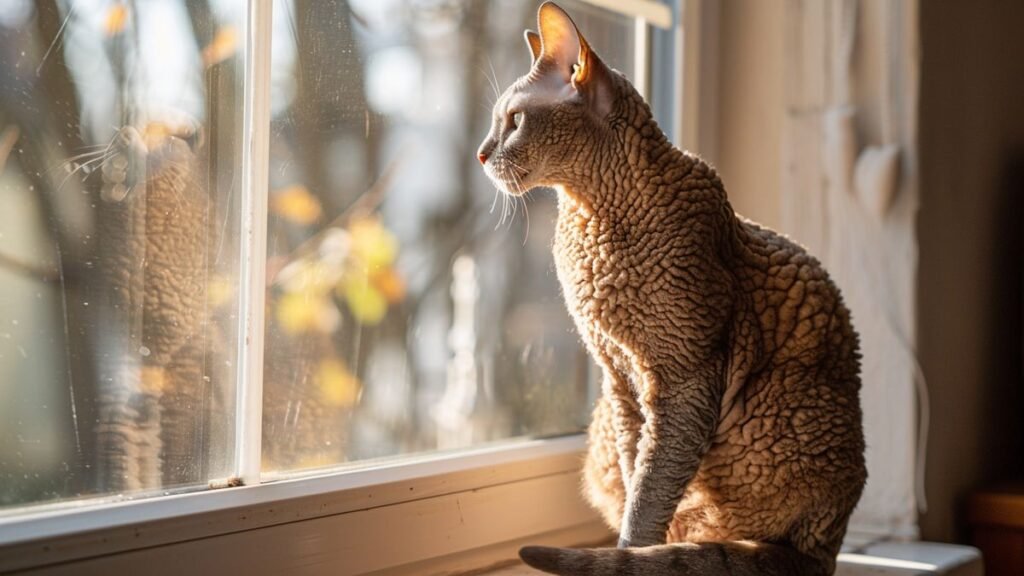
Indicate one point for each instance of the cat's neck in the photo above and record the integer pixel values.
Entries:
(642, 182)
(634, 160)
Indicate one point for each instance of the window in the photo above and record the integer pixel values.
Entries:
(122, 133)
(246, 243)
(404, 313)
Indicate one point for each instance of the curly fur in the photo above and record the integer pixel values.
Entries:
(729, 419)
(154, 219)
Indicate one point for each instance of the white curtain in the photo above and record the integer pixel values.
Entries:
(849, 193)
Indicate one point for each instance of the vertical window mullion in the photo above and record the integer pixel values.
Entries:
(687, 62)
(642, 55)
(252, 286)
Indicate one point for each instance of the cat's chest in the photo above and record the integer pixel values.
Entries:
(594, 266)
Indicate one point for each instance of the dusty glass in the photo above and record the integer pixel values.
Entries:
(410, 307)
(120, 128)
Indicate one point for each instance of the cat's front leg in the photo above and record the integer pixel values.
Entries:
(627, 419)
(680, 416)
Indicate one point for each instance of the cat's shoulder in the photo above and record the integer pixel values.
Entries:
(771, 251)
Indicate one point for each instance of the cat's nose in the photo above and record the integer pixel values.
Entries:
(485, 150)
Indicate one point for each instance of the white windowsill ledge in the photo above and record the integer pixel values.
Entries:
(911, 558)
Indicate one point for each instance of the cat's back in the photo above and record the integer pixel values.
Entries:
(799, 310)
(790, 442)
(801, 389)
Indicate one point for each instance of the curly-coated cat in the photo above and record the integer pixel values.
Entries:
(728, 436)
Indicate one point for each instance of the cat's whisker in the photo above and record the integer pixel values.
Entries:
(508, 214)
(516, 181)
(501, 176)
(521, 188)
(107, 146)
(504, 206)
(495, 84)
(73, 160)
(510, 179)
(87, 167)
(88, 151)
(93, 146)
(526, 212)
(492, 83)
(515, 207)
(523, 171)
(511, 176)
(513, 163)
(522, 191)
(495, 201)
(93, 151)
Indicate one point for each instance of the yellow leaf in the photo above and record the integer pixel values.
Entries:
(365, 302)
(219, 291)
(222, 47)
(372, 243)
(297, 312)
(295, 203)
(390, 285)
(117, 16)
(309, 276)
(338, 386)
(294, 312)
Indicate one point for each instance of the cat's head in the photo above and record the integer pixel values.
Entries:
(160, 148)
(556, 113)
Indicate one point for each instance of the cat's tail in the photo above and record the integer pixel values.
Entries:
(710, 559)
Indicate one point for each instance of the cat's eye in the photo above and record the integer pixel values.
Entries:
(194, 138)
(517, 119)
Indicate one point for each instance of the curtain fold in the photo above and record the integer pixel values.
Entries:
(849, 193)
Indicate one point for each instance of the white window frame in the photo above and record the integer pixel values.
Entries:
(415, 514)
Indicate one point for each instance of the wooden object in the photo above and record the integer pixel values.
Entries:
(996, 518)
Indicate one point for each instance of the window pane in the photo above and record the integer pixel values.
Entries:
(119, 166)
(410, 308)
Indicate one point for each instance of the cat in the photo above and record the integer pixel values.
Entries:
(154, 220)
(728, 435)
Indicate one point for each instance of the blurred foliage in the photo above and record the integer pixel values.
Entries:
(296, 204)
(354, 265)
(223, 46)
(117, 17)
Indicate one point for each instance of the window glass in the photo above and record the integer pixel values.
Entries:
(119, 169)
(411, 307)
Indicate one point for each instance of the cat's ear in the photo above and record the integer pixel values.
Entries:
(560, 41)
(533, 41)
(565, 52)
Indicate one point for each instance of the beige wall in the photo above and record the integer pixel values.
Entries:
(969, 292)
(750, 106)
(969, 230)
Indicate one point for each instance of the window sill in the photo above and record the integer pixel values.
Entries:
(440, 515)
(909, 558)
(444, 514)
